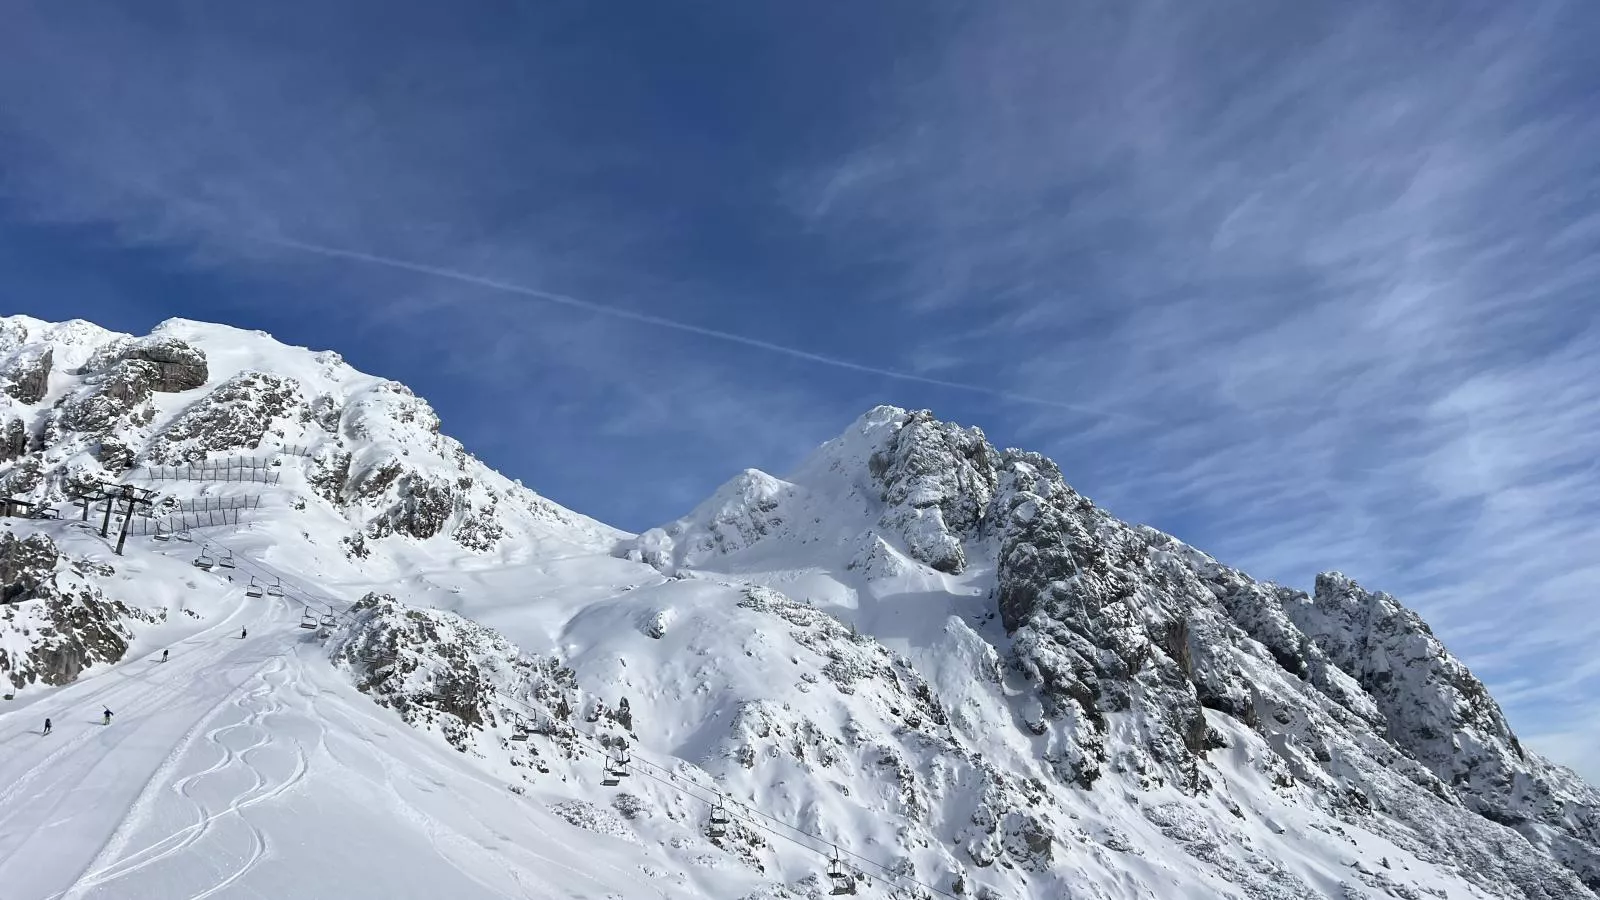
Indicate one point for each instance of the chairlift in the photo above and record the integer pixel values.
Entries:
(717, 824)
(616, 769)
(307, 620)
(226, 559)
(204, 561)
(183, 534)
(162, 534)
(519, 732)
(275, 589)
(328, 621)
(253, 590)
(842, 876)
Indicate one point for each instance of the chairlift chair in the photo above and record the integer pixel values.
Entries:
(717, 824)
(519, 732)
(275, 589)
(253, 590)
(162, 534)
(204, 561)
(328, 621)
(616, 769)
(842, 876)
(183, 534)
(307, 620)
(226, 559)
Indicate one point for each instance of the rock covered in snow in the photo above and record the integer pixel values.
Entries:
(917, 645)
(54, 622)
(1132, 644)
(466, 682)
(79, 404)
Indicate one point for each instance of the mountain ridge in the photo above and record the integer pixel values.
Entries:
(916, 645)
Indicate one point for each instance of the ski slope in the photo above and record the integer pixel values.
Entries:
(250, 768)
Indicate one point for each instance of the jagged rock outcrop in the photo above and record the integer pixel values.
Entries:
(14, 440)
(1133, 643)
(169, 364)
(1439, 713)
(27, 377)
(58, 622)
(938, 480)
(470, 685)
(368, 448)
(235, 416)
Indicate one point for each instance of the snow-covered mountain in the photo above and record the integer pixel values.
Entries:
(925, 656)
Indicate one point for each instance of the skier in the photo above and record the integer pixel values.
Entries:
(164, 655)
(244, 633)
(46, 726)
(108, 717)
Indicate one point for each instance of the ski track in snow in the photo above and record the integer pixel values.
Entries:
(214, 763)
(113, 863)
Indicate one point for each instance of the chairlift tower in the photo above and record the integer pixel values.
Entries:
(112, 494)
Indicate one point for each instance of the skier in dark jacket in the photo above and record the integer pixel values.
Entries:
(164, 655)
(108, 717)
(46, 726)
(244, 633)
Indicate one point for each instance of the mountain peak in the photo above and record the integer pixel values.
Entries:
(916, 647)
(1112, 624)
(82, 404)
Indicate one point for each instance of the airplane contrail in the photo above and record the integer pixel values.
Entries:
(686, 327)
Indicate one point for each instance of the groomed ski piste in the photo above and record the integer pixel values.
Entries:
(250, 767)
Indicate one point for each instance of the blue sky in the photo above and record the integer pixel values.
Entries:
(1309, 285)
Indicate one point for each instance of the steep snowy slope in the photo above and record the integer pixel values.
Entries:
(918, 653)
(1119, 658)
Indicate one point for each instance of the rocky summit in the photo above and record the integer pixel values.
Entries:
(919, 665)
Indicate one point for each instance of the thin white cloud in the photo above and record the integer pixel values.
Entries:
(1338, 250)
(671, 324)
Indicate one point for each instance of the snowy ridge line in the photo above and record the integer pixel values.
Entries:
(674, 782)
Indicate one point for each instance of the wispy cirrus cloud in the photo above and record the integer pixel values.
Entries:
(228, 141)
(1341, 253)
(1329, 262)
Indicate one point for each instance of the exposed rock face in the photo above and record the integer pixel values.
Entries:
(372, 449)
(27, 379)
(14, 440)
(466, 682)
(117, 398)
(171, 364)
(1443, 716)
(26, 564)
(61, 623)
(237, 415)
(938, 481)
(123, 375)
(1134, 645)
